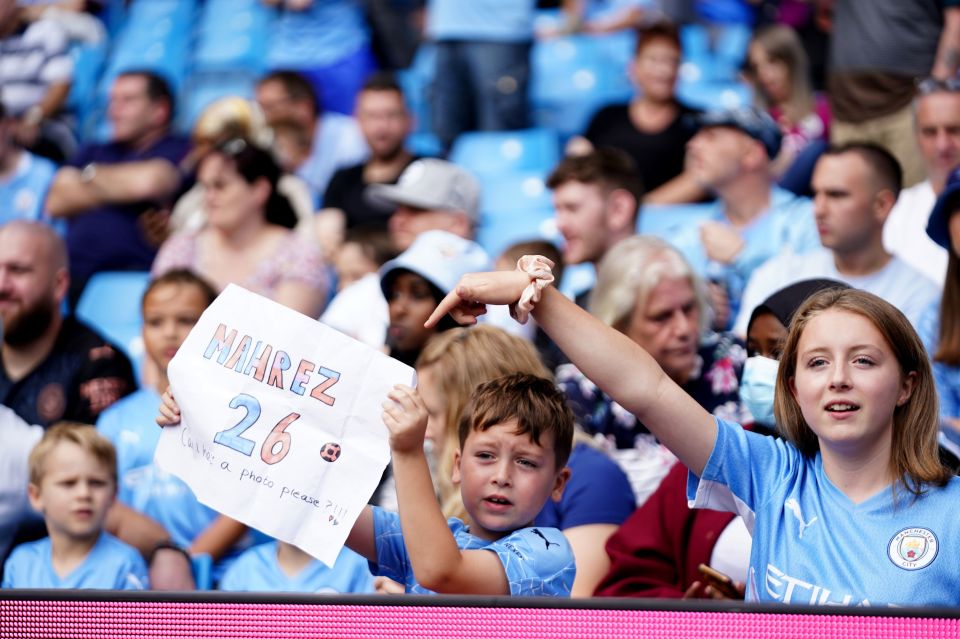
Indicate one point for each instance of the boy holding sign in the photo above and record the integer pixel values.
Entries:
(515, 438)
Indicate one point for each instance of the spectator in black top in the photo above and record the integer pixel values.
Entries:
(654, 127)
(53, 368)
(383, 118)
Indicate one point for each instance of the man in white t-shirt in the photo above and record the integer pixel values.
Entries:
(854, 186)
(937, 122)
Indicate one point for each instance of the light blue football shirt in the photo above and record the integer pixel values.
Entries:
(257, 570)
(537, 561)
(110, 565)
(812, 545)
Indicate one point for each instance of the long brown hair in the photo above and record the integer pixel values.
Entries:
(914, 455)
(781, 43)
(948, 348)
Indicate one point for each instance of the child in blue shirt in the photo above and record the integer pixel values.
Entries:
(281, 567)
(515, 437)
(854, 508)
(73, 482)
(172, 304)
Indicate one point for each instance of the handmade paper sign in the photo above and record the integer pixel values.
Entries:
(280, 420)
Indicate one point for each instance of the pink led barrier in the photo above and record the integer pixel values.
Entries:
(375, 618)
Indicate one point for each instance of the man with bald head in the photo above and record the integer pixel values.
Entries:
(51, 367)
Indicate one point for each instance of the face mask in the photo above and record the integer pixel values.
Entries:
(756, 388)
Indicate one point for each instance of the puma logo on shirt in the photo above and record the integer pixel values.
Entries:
(794, 507)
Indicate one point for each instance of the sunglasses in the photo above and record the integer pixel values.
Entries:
(926, 86)
(233, 147)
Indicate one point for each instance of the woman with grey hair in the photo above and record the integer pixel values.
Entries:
(648, 291)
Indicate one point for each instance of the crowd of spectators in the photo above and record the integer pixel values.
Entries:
(310, 190)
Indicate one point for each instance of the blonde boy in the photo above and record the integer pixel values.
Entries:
(73, 482)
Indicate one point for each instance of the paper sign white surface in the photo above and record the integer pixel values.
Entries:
(281, 425)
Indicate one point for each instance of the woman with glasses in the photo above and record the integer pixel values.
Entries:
(247, 239)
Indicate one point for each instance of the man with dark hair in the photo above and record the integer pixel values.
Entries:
(854, 186)
(385, 123)
(116, 196)
(51, 367)
(287, 97)
(596, 196)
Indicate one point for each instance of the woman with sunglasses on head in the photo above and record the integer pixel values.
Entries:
(247, 239)
(778, 69)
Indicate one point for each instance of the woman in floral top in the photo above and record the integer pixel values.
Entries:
(646, 290)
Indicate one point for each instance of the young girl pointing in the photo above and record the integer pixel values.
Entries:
(854, 508)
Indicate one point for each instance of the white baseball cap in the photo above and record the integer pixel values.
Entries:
(439, 257)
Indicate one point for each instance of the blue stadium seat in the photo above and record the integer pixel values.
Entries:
(502, 151)
(425, 144)
(572, 77)
(233, 36)
(155, 36)
(665, 220)
(415, 81)
(714, 95)
(110, 304)
(514, 207)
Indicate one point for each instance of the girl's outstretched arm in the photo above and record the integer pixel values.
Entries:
(614, 362)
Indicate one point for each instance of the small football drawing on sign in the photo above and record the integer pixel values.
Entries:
(330, 452)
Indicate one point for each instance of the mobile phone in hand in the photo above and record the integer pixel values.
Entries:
(723, 583)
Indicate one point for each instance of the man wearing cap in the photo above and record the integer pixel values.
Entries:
(936, 111)
(752, 219)
(855, 186)
(430, 195)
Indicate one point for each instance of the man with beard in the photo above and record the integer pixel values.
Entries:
(53, 367)
(385, 123)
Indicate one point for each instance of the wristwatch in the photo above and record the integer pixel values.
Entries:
(88, 173)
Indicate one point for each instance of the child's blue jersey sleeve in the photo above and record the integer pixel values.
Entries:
(536, 561)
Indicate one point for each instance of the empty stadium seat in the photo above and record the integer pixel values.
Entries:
(502, 151)
(110, 304)
(233, 36)
(573, 76)
(514, 207)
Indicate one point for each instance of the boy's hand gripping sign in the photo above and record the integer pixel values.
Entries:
(280, 420)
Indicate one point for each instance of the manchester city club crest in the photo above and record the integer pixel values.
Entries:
(913, 548)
